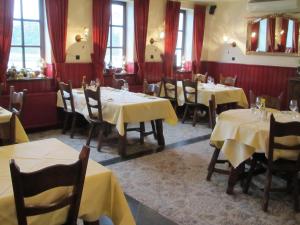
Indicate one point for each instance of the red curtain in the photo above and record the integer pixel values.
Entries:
(171, 32)
(284, 27)
(271, 34)
(295, 36)
(101, 18)
(141, 11)
(198, 33)
(57, 17)
(254, 38)
(6, 27)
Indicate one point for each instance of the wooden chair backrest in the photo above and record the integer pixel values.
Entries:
(278, 129)
(212, 112)
(273, 102)
(93, 101)
(190, 91)
(17, 101)
(170, 86)
(118, 83)
(67, 95)
(229, 81)
(26, 185)
(201, 77)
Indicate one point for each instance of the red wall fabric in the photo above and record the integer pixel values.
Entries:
(171, 32)
(269, 80)
(6, 27)
(57, 17)
(295, 36)
(101, 18)
(284, 27)
(141, 11)
(198, 33)
(271, 34)
(254, 39)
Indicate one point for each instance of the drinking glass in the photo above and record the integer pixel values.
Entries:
(125, 86)
(294, 107)
(258, 102)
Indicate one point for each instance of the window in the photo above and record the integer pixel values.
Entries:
(289, 38)
(28, 40)
(116, 38)
(180, 38)
(262, 38)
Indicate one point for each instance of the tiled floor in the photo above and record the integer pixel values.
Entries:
(142, 214)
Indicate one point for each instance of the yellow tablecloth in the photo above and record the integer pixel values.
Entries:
(119, 107)
(5, 117)
(240, 133)
(223, 94)
(102, 194)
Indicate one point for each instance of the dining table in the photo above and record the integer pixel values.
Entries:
(102, 193)
(121, 107)
(240, 133)
(11, 128)
(223, 94)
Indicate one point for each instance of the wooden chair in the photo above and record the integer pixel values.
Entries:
(229, 81)
(271, 102)
(170, 91)
(118, 83)
(190, 92)
(93, 102)
(17, 101)
(214, 160)
(69, 108)
(201, 77)
(148, 89)
(290, 167)
(26, 185)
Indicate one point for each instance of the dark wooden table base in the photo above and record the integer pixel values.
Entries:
(160, 138)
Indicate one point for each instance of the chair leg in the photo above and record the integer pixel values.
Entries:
(65, 123)
(153, 129)
(186, 109)
(195, 117)
(267, 190)
(90, 134)
(73, 125)
(296, 192)
(142, 132)
(249, 177)
(212, 163)
(100, 137)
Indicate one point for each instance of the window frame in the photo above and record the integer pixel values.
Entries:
(183, 31)
(41, 22)
(124, 26)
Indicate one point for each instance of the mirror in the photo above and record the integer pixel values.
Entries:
(273, 35)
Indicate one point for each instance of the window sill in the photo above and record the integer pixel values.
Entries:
(28, 79)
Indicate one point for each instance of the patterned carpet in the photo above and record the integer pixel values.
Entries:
(173, 183)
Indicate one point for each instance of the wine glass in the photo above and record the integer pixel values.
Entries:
(258, 102)
(294, 106)
(92, 83)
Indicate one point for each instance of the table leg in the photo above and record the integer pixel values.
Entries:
(122, 142)
(160, 134)
(234, 176)
(142, 132)
(12, 129)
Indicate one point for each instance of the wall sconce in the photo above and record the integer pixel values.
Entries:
(253, 34)
(161, 37)
(84, 36)
(281, 32)
(227, 41)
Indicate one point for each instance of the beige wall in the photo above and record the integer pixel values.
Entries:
(230, 19)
